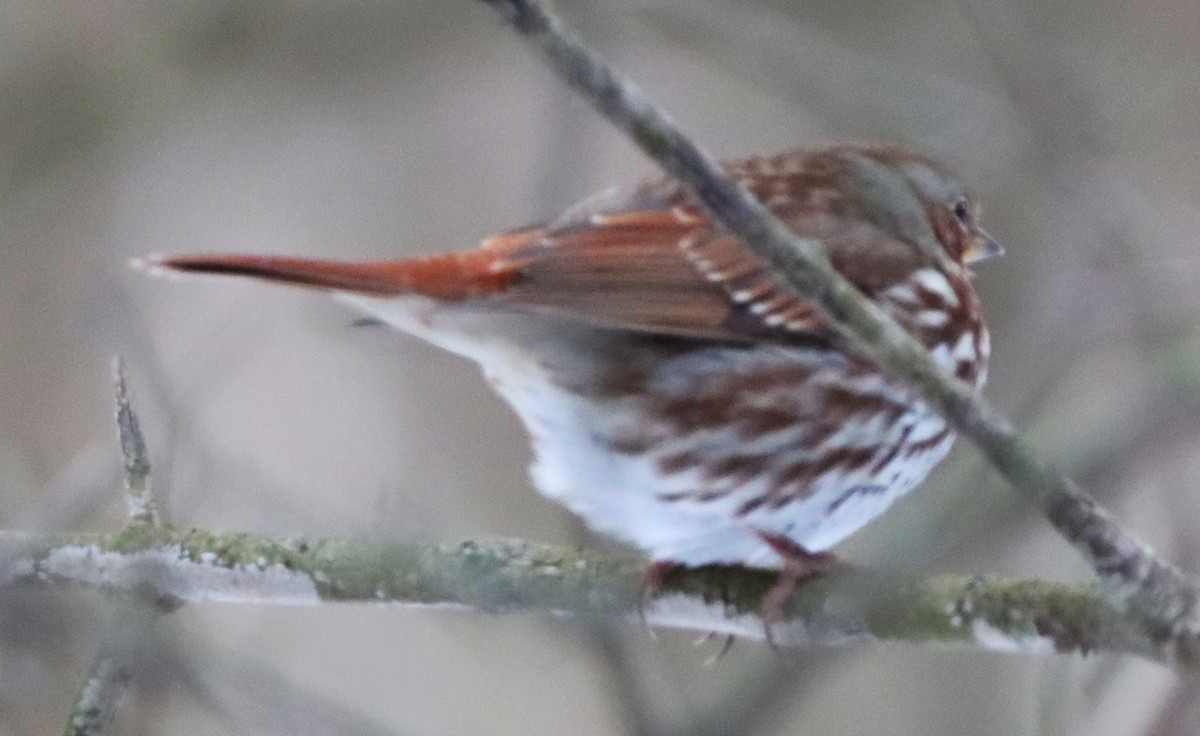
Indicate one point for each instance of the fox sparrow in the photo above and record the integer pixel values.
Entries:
(678, 396)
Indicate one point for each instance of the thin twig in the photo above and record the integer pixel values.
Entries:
(143, 508)
(1134, 579)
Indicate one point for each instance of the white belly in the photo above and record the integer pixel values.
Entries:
(622, 494)
(533, 365)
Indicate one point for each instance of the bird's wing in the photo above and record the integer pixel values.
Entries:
(652, 261)
(656, 270)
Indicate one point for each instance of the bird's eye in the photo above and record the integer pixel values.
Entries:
(961, 210)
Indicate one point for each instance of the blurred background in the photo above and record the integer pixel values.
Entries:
(383, 128)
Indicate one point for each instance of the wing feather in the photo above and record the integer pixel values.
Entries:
(666, 270)
(624, 270)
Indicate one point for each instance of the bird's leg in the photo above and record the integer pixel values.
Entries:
(798, 564)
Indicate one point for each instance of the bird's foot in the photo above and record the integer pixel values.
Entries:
(798, 565)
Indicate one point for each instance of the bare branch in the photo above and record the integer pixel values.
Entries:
(1133, 578)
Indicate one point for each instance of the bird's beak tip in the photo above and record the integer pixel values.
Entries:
(983, 248)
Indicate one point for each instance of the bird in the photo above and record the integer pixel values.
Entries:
(678, 395)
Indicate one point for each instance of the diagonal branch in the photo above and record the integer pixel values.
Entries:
(170, 566)
(1133, 578)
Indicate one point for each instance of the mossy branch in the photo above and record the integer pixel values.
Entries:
(165, 566)
(1132, 577)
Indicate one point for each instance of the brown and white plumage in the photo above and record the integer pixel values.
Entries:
(678, 395)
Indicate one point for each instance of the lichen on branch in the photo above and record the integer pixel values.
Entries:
(162, 564)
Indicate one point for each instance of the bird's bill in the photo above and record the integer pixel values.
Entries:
(982, 248)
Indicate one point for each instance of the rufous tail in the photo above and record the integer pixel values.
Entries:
(445, 276)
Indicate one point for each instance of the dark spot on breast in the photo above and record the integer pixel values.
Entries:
(851, 493)
(928, 443)
(737, 466)
(678, 462)
(781, 500)
(749, 506)
(890, 455)
(819, 434)
(793, 475)
(848, 459)
(796, 481)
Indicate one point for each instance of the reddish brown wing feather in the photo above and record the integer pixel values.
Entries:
(655, 270)
(623, 269)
